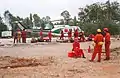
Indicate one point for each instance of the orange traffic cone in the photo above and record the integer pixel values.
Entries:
(89, 49)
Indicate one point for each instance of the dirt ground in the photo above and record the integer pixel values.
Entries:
(49, 60)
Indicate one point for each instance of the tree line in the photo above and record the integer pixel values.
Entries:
(90, 17)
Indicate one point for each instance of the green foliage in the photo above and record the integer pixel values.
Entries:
(66, 15)
(2, 26)
(27, 23)
(91, 17)
(100, 15)
(37, 20)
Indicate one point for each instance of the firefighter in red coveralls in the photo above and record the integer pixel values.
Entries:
(82, 38)
(76, 34)
(41, 35)
(62, 35)
(107, 43)
(98, 40)
(70, 34)
(76, 48)
(50, 35)
(24, 33)
(91, 37)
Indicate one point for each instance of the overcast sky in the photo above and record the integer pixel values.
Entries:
(51, 8)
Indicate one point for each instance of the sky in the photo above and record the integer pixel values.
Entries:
(51, 8)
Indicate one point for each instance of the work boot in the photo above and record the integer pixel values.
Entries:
(107, 59)
(98, 61)
(91, 60)
(83, 56)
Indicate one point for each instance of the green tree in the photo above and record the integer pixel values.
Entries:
(100, 15)
(27, 23)
(75, 21)
(48, 19)
(31, 19)
(3, 27)
(37, 20)
(66, 15)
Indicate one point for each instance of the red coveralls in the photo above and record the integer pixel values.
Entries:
(98, 48)
(49, 35)
(69, 34)
(82, 36)
(41, 34)
(76, 48)
(76, 34)
(23, 36)
(107, 45)
(62, 35)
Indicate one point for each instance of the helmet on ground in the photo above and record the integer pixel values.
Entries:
(98, 30)
(105, 29)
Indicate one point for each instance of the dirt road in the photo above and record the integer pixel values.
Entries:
(62, 66)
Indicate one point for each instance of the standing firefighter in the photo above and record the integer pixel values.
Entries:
(15, 36)
(24, 36)
(41, 35)
(107, 43)
(70, 34)
(82, 38)
(50, 35)
(62, 35)
(98, 40)
(19, 36)
(76, 34)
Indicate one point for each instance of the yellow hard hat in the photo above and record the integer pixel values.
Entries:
(100, 43)
(98, 30)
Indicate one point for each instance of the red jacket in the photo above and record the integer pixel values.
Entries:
(24, 34)
(62, 34)
(69, 34)
(76, 44)
(107, 37)
(41, 33)
(49, 34)
(98, 38)
(76, 33)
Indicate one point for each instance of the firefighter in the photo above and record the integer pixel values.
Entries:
(41, 34)
(98, 40)
(24, 33)
(62, 35)
(76, 48)
(70, 34)
(91, 37)
(107, 43)
(82, 38)
(19, 36)
(15, 36)
(50, 35)
(76, 33)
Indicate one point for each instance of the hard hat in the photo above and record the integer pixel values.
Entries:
(100, 43)
(98, 30)
(105, 29)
